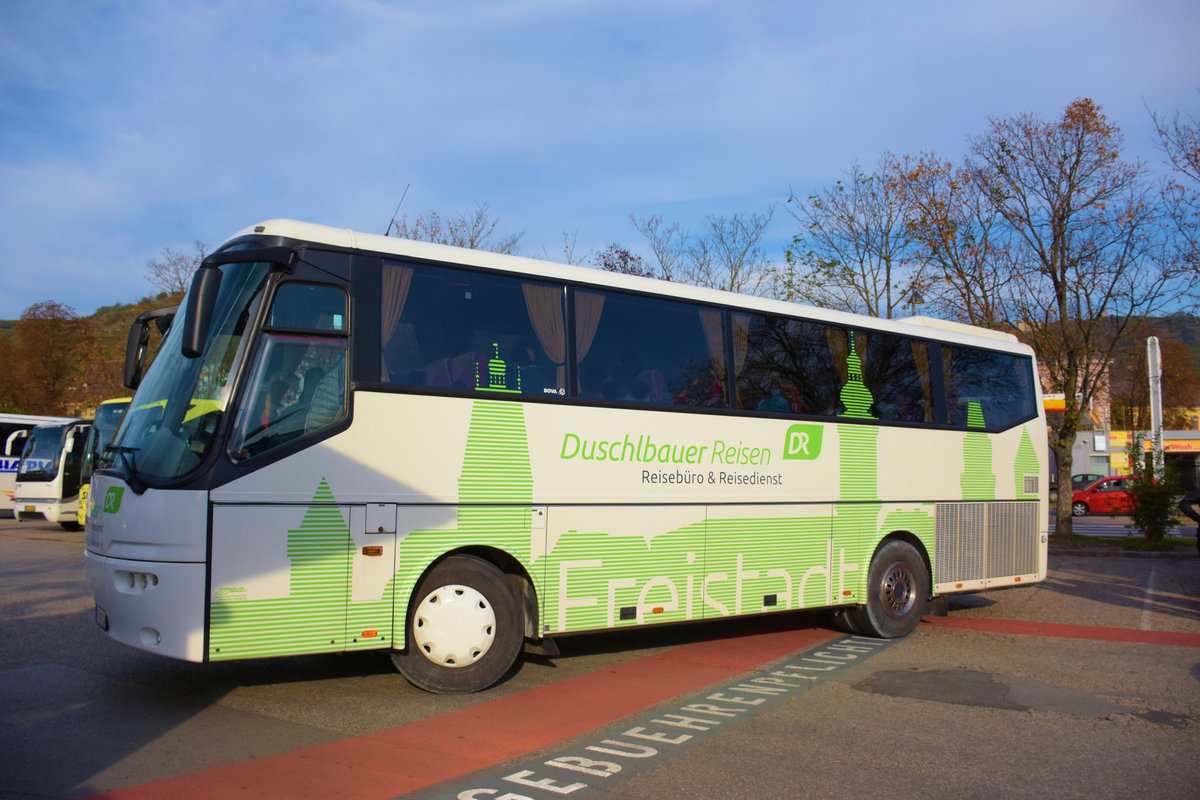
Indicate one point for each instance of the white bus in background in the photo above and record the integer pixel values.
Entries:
(49, 473)
(14, 428)
(363, 442)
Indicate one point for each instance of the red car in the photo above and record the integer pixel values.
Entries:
(1105, 496)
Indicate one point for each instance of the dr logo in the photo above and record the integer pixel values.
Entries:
(112, 499)
(802, 442)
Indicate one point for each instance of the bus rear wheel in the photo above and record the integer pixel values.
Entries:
(464, 628)
(897, 590)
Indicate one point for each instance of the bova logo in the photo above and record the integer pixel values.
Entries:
(112, 499)
(802, 443)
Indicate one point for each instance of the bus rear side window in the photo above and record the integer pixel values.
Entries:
(897, 373)
(987, 389)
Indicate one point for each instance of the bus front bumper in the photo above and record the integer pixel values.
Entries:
(153, 606)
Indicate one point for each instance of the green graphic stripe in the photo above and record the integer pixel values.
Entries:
(858, 462)
(702, 569)
(314, 616)
(855, 396)
(1026, 463)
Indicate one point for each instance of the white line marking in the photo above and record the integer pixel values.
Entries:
(1148, 603)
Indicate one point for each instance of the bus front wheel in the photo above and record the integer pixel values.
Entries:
(464, 628)
(897, 589)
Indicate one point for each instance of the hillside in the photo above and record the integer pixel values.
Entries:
(1185, 328)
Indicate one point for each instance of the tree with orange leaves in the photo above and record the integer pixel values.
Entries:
(1080, 243)
(51, 340)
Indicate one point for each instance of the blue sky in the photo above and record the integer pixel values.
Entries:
(130, 127)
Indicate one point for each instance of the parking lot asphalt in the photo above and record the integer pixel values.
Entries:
(1084, 685)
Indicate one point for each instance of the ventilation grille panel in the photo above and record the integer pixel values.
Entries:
(982, 541)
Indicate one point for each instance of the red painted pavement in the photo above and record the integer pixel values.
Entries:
(410, 757)
(420, 754)
(1061, 631)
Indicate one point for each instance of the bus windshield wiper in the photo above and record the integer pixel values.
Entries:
(127, 460)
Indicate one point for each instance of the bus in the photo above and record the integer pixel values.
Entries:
(48, 474)
(367, 443)
(107, 419)
(14, 428)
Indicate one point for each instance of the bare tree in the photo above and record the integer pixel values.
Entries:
(727, 253)
(1179, 139)
(668, 243)
(855, 250)
(956, 234)
(616, 258)
(569, 254)
(476, 230)
(172, 271)
(1079, 243)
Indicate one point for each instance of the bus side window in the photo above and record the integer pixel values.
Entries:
(468, 332)
(327, 402)
(649, 351)
(896, 372)
(988, 389)
(785, 366)
(299, 388)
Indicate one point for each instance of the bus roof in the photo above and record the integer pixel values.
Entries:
(345, 238)
(32, 419)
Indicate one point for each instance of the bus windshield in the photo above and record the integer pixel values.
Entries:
(174, 415)
(43, 450)
(108, 419)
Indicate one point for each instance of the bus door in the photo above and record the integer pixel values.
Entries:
(291, 579)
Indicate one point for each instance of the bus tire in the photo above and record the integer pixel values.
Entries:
(70, 525)
(465, 628)
(897, 590)
(842, 620)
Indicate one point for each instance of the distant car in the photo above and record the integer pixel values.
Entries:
(1106, 496)
(1083, 481)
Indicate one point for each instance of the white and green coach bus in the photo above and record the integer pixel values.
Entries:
(353, 442)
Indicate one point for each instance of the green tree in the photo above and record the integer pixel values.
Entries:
(1151, 493)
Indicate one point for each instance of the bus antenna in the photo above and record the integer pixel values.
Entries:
(388, 232)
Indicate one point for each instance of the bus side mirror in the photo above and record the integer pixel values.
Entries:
(135, 353)
(201, 304)
(139, 338)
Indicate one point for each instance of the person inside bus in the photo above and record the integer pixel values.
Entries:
(536, 376)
